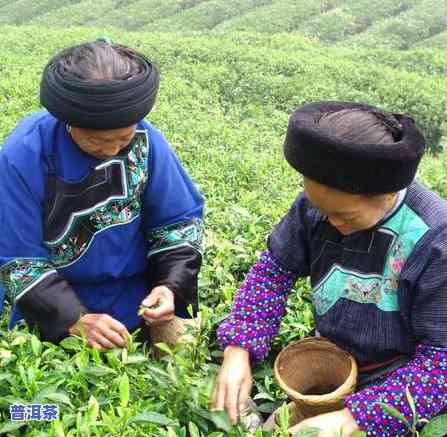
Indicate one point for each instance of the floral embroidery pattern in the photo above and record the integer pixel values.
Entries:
(363, 293)
(21, 274)
(115, 212)
(188, 233)
(395, 265)
(344, 283)
(380, 290)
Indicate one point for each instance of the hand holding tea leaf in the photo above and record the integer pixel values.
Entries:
(102, 331)
(330, 424)
(158, 307)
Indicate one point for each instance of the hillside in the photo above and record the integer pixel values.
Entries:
(252, 76)
(390, 23)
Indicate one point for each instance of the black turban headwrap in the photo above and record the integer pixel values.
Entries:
(99, 104)
(350, 166)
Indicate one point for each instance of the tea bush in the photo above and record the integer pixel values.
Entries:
(439, 40)
(21, 11)
(136, 14)
(80, 13)
(280, 16)
(205, 16)
(425, 19)
(223, 104)
(393, 23)
(351, 17)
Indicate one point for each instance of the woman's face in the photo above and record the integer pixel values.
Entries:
(348, 213)
(103, 144)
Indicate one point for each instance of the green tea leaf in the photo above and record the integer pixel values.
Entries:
(113, 360)
(436, 428)
(221, 420)
(164, 348)
(5, 377)
(98, 371)
(124, 355)
(193, 430)
(36, 346)
(59, 397)
(141, 310)
(41, 395)
(95, 355)
(10, 400)
(124, 390)
(136, 359)
(264, 395)
(31, 375)
(22, 374)
(267, 407)
(395, 413)
(158, 371)
(19, 340)
(284, 417)
(82, 359)
(11, 426)
(410, 400)
(92, 410)
(152, 417)
(307, 432)
(71, 343)
(68, 420)
(58, 428)
(171, 433)
(5, 354)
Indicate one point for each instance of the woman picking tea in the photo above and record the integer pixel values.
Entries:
(374, 243)
(97, 214)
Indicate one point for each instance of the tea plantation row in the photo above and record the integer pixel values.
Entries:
(391, 23)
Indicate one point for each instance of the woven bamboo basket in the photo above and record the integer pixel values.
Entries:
(316, 374)
(175, 331)
(294, 418)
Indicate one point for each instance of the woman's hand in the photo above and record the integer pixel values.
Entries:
(234, 383)
(162, 298)
(330, 424)
(102, 331)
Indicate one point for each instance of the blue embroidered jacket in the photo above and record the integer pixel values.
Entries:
(83, 235)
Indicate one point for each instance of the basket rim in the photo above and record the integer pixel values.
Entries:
(333, 396)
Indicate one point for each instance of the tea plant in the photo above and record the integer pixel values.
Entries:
(436, 428)
(393, 23)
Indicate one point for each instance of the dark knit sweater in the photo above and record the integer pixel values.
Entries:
(378, 292)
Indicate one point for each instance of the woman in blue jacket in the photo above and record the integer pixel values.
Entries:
(97, 214)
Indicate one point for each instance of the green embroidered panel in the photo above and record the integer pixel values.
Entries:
(115, 212)
(20, 274)
(188, 233)
(380, 290)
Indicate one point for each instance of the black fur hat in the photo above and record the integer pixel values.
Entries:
(349, 165)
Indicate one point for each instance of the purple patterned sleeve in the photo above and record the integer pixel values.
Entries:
(258, 308)
(426, 378)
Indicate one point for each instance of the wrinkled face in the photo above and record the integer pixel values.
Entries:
(103, 144)
(348, 213)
